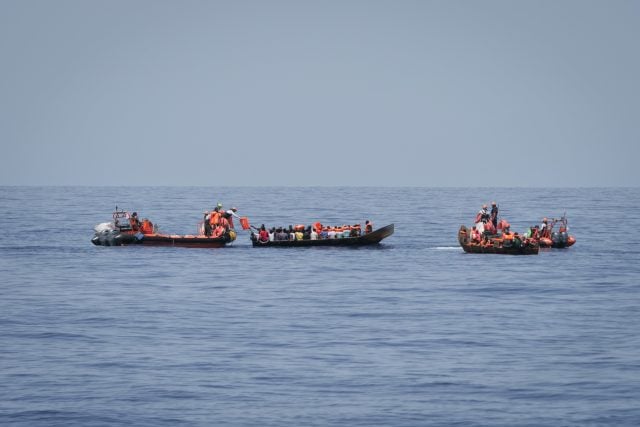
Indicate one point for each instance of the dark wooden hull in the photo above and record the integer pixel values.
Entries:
(126, 239)
(372, 238)
(473, 248)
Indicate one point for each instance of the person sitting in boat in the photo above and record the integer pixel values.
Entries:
(134, 221)
(517, 240)
(493, 216)
(368, 227)
(331, 234)
(272, 234)
(307, 233)
(324, 233)
(219, 231)
(534, 232)
(263, 235)
(476, 237)
(146, 227)
(281, 235)
(355, 231)
(486, 241)
(299, 234)
(483, 215)
(507, 237)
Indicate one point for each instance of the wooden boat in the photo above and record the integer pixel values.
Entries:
(496, 246)
(120, 233)
(372, 238)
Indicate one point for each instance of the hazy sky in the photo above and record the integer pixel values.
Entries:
(420, 93)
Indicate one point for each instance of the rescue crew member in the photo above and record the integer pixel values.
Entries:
(134, 221)
(229, 214)
(207, 223)
(214, 217)
(483, 215)
(544, 228)
(146, 227)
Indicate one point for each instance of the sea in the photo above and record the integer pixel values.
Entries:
(411, 332)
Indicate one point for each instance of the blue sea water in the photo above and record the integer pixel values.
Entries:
(411, 332)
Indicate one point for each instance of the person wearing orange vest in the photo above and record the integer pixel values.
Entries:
(146, 227)
(507, 236)
(475, 235)
(214, 217)
(368, 227)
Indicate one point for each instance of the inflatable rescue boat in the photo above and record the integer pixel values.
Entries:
(120, 232)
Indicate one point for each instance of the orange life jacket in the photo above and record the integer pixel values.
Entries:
(146, 227)
(214, 218)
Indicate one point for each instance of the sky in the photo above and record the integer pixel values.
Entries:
(320, 93)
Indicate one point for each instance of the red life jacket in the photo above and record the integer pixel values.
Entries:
(218, 232)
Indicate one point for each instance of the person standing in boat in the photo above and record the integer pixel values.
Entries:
(483, 215)
(494, 214)
(476, 237)
(368, 227)
(545, 230)
(206, 223)
(134, 221)
(229, 214)
(214, 216)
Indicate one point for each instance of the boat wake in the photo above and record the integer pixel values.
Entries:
(447, 248)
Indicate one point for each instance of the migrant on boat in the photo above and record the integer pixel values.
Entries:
(318, 235)
(492, 236)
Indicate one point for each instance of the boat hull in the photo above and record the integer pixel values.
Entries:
(115, 238)
(372, 238)
(558, 243)
(474, 248)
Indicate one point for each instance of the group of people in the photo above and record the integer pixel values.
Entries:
(316, 231)
(487, 228)
(145, 226)
(218, 221)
